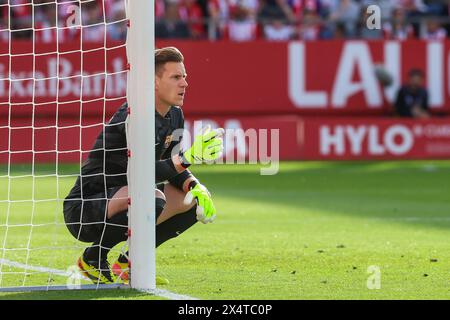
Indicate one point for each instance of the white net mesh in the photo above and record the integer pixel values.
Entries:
(62, 75)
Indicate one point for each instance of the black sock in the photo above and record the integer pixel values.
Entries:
(170, 229)
(175, 226)
(159, 205)
(114, 232)
(123, 258)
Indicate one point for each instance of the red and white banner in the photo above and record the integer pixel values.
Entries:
(333, 138)
(226, 78)
(261, 86)
(251, 139)
(309, 78)
(373, 139)
(62, 80)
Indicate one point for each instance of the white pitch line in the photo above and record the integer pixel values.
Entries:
(170, 295)
(34, 268)
(422, 219)
(158, 292)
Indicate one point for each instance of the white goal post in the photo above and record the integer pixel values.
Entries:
(44, 98)
(141, 97)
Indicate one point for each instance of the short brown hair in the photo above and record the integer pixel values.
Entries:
(165, 55)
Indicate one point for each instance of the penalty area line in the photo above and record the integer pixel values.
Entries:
(157, 292)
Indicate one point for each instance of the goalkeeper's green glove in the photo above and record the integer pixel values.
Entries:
(206, 212)
(207, 147)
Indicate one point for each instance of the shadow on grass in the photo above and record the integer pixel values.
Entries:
(78, 295)
(413, 192)
(416, 192)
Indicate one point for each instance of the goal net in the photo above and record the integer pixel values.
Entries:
(63, 74)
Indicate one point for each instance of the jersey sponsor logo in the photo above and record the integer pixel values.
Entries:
(168, 141)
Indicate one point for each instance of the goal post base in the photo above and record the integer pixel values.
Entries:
(165, 294)
(61, 91)
(60, 288)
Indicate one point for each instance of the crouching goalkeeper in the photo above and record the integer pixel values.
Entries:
(96, 209)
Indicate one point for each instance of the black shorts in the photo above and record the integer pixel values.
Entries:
(86, 218)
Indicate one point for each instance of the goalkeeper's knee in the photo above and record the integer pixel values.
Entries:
(160, 200)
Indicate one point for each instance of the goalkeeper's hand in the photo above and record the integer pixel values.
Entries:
(206, 212)
(207, 146)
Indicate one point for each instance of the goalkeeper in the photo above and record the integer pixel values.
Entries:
(96, 209)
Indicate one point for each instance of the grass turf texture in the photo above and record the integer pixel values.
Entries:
(309, 232)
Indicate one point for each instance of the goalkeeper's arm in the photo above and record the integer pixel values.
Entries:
(185, 181)
(206, 211)
(207, 146)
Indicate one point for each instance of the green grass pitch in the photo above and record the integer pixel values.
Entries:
(312, 231)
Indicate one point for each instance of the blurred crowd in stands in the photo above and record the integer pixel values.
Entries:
(234, 20)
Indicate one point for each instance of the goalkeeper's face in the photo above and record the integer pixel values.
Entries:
(170, 84)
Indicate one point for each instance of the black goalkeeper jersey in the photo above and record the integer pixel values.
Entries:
(106, 165)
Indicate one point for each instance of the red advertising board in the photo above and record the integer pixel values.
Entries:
(246, 139)
(309, 78)
(226, 78)
(254, 139)
(334, 138)
(303, 94)
(374, 139)
(70, 82)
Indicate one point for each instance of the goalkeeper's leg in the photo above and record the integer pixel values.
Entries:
(87, 222)
(110, 228)
(93, 263)
(175, 219)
